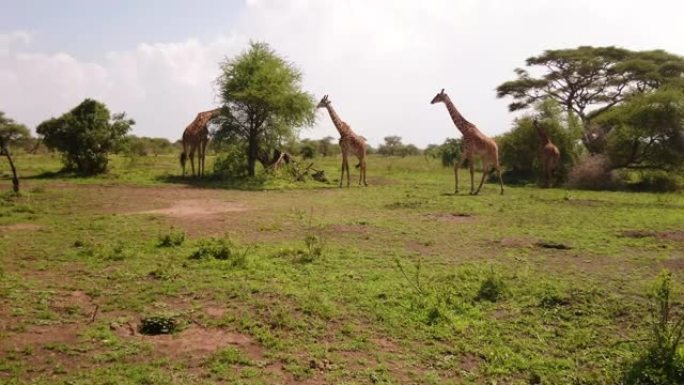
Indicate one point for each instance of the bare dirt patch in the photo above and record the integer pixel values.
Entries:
(193, 208)
(20, 227)
(674, 235)
(38, 336)
(518, 242)
(198, 342)
(452, 217)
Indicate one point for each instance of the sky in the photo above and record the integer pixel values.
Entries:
(380, 61)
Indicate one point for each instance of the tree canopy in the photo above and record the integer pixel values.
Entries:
(85, 135)
(589, 81)
(646, 131)
(263, 101)
(11, 132)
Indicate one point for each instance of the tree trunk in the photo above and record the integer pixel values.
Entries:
(252, 154)
(15, 179)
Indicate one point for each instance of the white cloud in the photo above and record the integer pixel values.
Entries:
(380, 61)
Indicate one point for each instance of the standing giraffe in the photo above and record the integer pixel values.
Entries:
(350, 143)
(475, 144)
(196, 137)
(550, 155)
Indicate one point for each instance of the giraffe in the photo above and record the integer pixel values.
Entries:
(195, 138)
(475, 144)
(350, 143)
(550, 155)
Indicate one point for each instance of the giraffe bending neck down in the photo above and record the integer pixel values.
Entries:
(195, 139)
(350, 143)
(475, 145)
(550, 155)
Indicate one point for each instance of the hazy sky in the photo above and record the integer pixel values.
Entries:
(380, 61)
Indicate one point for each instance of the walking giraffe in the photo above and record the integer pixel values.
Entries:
(195, 138)
(350, 143)
(475, 144)
(550, 155)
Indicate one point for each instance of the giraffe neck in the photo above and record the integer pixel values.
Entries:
(342, 128)
(542, 135)
(461, 123)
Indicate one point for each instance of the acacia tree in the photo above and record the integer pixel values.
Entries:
(589, 81)
(11, 132)
(647, 131)
(85, 135)
(263, 101)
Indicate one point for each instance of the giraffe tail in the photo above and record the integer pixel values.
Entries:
(183, 158)
(358, 165)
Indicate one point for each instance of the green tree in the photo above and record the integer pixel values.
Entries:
(450, 152)
(392, 146)
(326, 146)
(12, 133)
(588, 81)
(263, 101)
(85, 135)
(647, 131)
(519, 149)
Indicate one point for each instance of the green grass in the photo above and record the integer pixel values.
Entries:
(400, 282)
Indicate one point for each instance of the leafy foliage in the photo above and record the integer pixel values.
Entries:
(393, 146)
(85, 135)
(11, 132)
(450, 152)
(588, 81)
(263, 101)
(231, 163)
(647, 131)
(662, 361)
(520, 148)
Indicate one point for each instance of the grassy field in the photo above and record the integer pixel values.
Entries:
(275, 282)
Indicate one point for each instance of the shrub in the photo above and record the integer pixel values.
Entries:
(173, 238)
(657, 181)
(220, 249)
(492, 288)
(159, 324)
(231, 164)
(85, 135)
(593, 172)
(662, 360)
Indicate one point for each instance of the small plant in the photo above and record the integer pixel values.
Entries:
(220, 249)
(213, 248)
(171, 239)
(118, 253)
(662, 360)
(159, 324)
(492, 288)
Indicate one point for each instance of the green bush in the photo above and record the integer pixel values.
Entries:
(662, 359)
(85, 135)
(492, 288)
(231, 164)
(173, 238)
(220, 249)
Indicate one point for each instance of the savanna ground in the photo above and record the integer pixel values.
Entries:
(398, 283)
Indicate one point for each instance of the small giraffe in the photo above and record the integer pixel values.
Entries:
(350, 143)
(475, 144)
(195, 138)
(550, 155)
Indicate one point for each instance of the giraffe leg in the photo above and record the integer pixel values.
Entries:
(363, 169)
(457, 166)
(498, 172)
(203, 155)
(344, 161)
(485, 172)
(346, 165)
(472, 177)
(192, 161)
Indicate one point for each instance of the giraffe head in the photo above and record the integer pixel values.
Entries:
(324, 102)
(440, 97)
